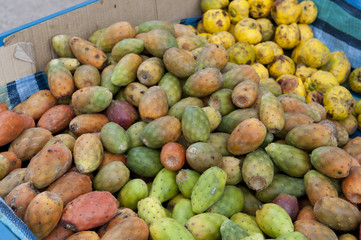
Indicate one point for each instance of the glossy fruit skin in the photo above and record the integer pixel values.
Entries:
(89, 210)
(43, 213)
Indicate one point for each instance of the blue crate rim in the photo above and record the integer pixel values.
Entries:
(40, 20)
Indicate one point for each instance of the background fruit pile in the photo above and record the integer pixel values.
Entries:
(238, 129)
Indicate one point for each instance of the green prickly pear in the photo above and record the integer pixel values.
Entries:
(164, 186)
(219, 140)
(195, 125)
(282, 183)
(168, 228)
(251, 203)
(247, 222)
(222, 101)
(257, 170)
(271, 113)
(132, 192)
(256, 236)
(205, 226)
(114, 138)
(230, 121)
(150, 209)
(208, 189)
(182, 211)
(186, 179)
(201, 156)
(289, 159)
(177, 110)
(172, 88)
(232, 231)
(292, 236)
(231, 201)
(274, 220)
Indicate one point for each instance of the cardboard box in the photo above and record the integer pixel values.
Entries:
(29, 50)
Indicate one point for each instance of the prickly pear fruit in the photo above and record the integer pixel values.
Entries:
(212, 56)
(126, 46)
(337, 213)
(150, 209)
(245, 94)
(179, 62)
(257, 170)
(164, 185)
(292, 235)
(232, 166)
(208, 189)
(125, 71)
(239, 74)
(293, 120)
(317, 186)
(61, 46)
(59, 233)
(60, 80)
(313, 136)
(293, 105)
(158, 41)
(182, 211)
(89, 210)
(230, 121)
(132, 192)
(172, 88)
(88, 153)
(251, 203)
(123, 113)
(247, 222)
(332, 161)
(201, 156)
(161, 131)
(43, 213)
(265, 219)
(144, 161)
(70, 186)
(247, 136)
(314, 230)
(113, 34)
(231, 201)
(122, 214)
(288, 203)
(271, 113)
(87, 53)
(222, 101)
(133, 133)
(232, 231)
(12, 180)
(282, 183)
(114, 138)
(20, 197)
(91, 99)
(89, 235)
(153, 104)
(48, 165)
(177, 110)
(347, 236)
(168, 228)
(351, 185)
(195, 125)
(186, 179)
(203, 82)
(289, 159)
(205, 226)
(129, 228)
(111, 177)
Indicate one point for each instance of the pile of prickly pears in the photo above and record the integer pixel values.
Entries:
(156, 132)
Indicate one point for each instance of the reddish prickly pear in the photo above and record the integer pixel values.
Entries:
(123, 113)
(288, 203)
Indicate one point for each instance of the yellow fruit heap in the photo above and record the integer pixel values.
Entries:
(312, 71)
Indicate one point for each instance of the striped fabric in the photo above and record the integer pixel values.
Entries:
(338, 25)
